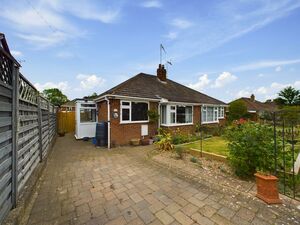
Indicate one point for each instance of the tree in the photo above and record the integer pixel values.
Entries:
(55, 96)
(237, 110)
(288, 96)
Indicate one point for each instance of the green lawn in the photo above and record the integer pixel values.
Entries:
(217, 145)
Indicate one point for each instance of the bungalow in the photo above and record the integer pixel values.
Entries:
(256, 108)
(125, 107)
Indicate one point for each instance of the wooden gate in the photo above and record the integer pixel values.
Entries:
(66, 121)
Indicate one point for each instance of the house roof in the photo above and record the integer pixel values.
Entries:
(149, 86)
(259, 106)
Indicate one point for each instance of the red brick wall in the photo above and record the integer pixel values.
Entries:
(121, 134)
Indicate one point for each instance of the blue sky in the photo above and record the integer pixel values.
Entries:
(226, 49)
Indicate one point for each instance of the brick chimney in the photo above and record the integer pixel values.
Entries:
(161, 72)
(252, 98)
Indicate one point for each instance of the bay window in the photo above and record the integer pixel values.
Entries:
(176, 114)
(134, 111)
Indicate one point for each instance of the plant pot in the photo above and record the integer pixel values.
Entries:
(145, 141)
(267, 188)
(151, 141)
(135, 142)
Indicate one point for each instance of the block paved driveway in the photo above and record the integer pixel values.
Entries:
(85, 185)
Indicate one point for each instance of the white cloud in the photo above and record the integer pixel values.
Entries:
(266, 64)
(267, 92)
(181, 23)
(171, 35)
(224, 79)
(16, 53)
(152, 4)
(63, 86)
(202, 82)
(230, 20)
(65, 55)
(278, 69)
(46, 23)
(90, 81)
(243, 93)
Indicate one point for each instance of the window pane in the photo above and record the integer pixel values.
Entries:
(188, 114)
(125, 114)
(172, 117)
(87, 115)
(203, 114)
(180, 114)
(139, 111)
(163, 114)
(125, 103)
(210, 114)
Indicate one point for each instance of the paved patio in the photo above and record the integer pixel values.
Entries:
(85, 185)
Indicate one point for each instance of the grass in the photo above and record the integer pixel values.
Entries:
(217, 145)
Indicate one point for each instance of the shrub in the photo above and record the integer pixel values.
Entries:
(153, 116)
(237, 110)
(164, 140)
(179, 152)
(251, 148)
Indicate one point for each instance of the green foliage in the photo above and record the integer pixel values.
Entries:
(164, 140)
(237, 110)
(288, 96)
(194, 159)
(180, 151)
(153, 116)
(179, 138)
(251, 148)
(291, 115)
(55, 96)
(214, 130)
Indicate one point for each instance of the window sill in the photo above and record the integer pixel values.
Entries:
(210, 122)
(177, 125)
(132, 122)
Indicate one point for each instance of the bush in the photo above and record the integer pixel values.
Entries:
(214, 130)
(251, 148)
(179, 152)
(237, 110)
(164, 140)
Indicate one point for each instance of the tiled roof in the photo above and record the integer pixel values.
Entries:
(149, 86)
(259, 106)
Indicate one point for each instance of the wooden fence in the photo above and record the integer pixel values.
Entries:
(66, 121)
(27, 129)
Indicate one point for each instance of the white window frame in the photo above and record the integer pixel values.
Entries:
(215, 110)
(222, 112)
(168, 115)
(130, 109)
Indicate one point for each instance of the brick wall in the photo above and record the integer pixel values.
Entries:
(121, 134)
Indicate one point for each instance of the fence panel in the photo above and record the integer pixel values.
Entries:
(28, 133)
(6, 95)
(27, 129)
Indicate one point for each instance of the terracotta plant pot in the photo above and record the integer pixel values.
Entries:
(267, 188)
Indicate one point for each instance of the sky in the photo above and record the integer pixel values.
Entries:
(224, 48)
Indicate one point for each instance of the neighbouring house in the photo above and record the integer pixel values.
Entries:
(125, 107)
(69, 106)
(256, 108)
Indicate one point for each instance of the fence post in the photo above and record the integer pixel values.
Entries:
(275, 142)
(48, 124)
(40, 119)
(15, 133)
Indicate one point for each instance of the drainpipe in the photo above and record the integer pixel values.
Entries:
(108, 122)
(158, 126)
